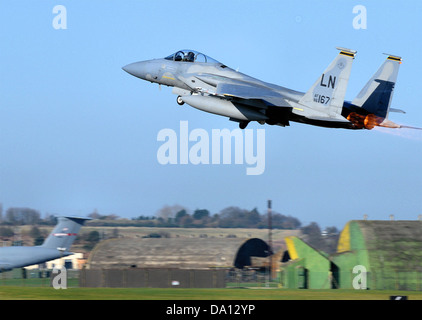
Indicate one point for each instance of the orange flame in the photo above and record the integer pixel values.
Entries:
(361, 121)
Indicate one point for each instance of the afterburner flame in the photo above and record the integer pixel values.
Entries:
(369, 121)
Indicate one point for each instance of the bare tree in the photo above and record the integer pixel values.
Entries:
(20, 216)
(169, 212)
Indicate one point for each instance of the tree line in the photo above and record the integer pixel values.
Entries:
(230, 217)
(24, 216)
(176, 216)
(167, 216)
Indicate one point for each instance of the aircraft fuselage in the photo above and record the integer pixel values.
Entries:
(210, 86)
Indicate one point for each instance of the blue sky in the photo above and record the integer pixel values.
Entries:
(77, 133)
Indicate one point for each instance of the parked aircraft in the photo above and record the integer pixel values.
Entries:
(55, 246)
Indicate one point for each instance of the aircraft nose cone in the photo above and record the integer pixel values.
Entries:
(146, 70)
(133, 68)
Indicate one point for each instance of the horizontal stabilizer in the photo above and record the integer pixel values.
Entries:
(390, 124)
(397, 110)
(409, 127)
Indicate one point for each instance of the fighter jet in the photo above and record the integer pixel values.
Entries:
(208, 85)
(55, 246)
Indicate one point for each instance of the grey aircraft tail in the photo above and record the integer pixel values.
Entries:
(64, 233)
(324, 100)
(375, 97)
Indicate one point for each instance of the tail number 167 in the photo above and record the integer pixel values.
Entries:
(321, 99)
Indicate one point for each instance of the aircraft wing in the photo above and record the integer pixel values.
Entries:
(245, 92)
(4, 266)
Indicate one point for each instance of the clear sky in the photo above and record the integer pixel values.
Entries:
(77, 133)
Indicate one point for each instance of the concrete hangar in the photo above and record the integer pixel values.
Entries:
(168, 262)
(370, 254)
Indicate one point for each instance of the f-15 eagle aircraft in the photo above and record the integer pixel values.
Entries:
(55, 246)
(211, 86)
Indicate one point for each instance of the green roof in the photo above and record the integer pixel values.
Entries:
(389, 245)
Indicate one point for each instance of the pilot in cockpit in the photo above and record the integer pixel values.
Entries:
(189, 57)
(178, 56)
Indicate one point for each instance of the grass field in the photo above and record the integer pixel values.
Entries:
(48, 293)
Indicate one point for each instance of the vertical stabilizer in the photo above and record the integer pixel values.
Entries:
(375, 97)
(64, 233)
(328, 92)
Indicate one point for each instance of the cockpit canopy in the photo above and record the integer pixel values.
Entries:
(190, 56)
